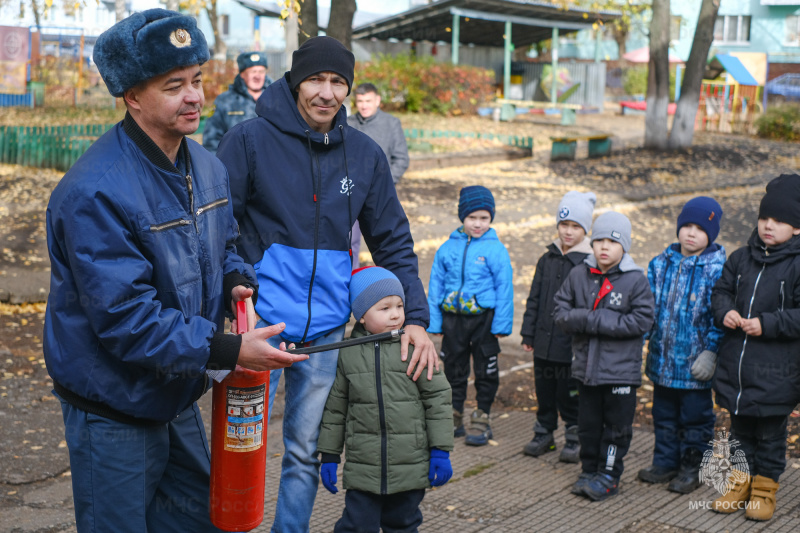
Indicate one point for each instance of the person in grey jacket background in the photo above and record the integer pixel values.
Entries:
(607, 306)
(385, 130)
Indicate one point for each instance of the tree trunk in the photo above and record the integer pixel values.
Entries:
(309, 27)
(655, 133)
(292, 34)
(621, 37)
(119, 9)
(37, 18)
(683, 125)
(220, 47)
(340, 25)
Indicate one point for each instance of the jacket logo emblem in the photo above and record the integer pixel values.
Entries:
(347, 185)
(480, 259)
(564, 213)
(621, 390)
(615, 298)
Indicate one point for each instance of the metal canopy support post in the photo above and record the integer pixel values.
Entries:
(598, 40)
(554, 66)
(454, 46)
(507, 60)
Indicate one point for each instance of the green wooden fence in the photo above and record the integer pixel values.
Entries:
(56, 147)
(60, 147)
(511, 140)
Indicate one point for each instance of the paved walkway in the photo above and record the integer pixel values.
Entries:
(498, 489)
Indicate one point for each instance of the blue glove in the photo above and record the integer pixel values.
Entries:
(327, 474)
(440, 471)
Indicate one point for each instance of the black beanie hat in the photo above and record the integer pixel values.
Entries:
(782, 201)
(322, 54)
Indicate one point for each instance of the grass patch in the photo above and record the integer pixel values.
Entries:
(477, 469)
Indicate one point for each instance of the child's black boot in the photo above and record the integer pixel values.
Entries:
(479, 431)
(601, 486)
(542, 442)
(458, 424)
(657, 474)
(580, 485)
(689, 473)
(571, 452)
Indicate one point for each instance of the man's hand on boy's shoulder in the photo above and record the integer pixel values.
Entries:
(424, 351)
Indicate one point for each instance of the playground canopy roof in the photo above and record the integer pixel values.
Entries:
(733, 66)
(482, 22)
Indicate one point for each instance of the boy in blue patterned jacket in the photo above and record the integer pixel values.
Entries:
(683, 346)
(471, 301)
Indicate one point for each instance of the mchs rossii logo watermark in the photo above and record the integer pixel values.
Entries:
(723, 466)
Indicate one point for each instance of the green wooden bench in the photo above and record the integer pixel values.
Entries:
(565, 147)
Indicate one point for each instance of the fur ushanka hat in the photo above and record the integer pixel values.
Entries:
(145, 45)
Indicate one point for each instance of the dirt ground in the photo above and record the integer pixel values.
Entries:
(649, 187)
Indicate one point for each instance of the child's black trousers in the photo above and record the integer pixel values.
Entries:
(605, 426)
(556, 392)
(465, 335)
(763, 441)
(390, 513)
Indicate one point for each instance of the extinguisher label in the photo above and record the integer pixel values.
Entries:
(245, 427)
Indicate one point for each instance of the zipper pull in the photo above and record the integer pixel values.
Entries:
(326, 138)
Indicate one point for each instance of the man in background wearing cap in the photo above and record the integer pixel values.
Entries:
(238, 103)
(140, 235)
(300, 178)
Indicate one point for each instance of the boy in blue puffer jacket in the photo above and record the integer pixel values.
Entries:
(683, 346)
(471, 301)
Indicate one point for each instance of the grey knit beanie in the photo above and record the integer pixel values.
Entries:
(614, 226)
(577, 207)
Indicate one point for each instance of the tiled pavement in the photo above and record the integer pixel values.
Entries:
(497, 489)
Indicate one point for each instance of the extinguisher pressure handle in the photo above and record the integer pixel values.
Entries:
(241, 316)
(378, 337)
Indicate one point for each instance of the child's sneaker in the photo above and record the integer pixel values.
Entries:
(580, 485)
(601, 486)
(657, 474)
(479, 430)
(571, 452)
(542, 442)
(458, 424)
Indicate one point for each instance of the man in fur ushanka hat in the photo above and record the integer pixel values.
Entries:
(143, 268)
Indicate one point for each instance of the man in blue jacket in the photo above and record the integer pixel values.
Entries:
(300, 177)
(238, 103)
(140, 235)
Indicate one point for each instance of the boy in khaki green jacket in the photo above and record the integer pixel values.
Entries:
(397, 432)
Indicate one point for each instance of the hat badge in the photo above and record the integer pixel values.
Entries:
(255, 57)
(616, 235)
(180, 38)
(564, 213)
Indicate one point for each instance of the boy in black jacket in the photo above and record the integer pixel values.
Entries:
(757, 302)
(607, 305)
(556, 390)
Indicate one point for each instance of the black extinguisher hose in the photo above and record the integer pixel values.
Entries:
(378, 337)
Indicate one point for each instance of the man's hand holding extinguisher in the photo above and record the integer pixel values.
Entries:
(255, 353)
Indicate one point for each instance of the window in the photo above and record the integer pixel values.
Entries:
(793, 30)
(732, 29)
(224, 26)
(675, 23)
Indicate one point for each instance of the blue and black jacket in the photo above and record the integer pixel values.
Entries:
(470, 276)
(684, 324)
(296, 194)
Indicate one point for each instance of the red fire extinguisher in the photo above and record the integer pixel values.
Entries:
(239, 445)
